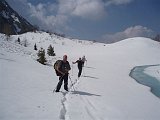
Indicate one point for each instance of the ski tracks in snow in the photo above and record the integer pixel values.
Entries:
(63, 111)
(88, 105)
(90, 109)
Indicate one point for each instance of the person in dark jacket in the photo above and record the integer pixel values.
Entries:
(63, 68)
(80, 65)
(84, 60)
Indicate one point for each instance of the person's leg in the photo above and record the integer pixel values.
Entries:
(80, 71)
(59, 84)
(82, 64)
(66, 82)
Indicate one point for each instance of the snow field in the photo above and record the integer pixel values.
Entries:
(104, 92)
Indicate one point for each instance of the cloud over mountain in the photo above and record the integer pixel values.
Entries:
(134, 31)
(55, 15)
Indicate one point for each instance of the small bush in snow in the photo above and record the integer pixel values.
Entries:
(50, 51)
(7, 37)
(19, 41)
(41, 56)
(157, 38)
(25, 43)
(79, 41)
(35, 47)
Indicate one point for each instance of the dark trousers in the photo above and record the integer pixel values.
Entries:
(61, 79)
(82, 64)
(80, 71)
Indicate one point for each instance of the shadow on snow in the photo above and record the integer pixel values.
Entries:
(89, 76)
(84, 93)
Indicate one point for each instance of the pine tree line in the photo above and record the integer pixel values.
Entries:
(24, 42)
(41, 54)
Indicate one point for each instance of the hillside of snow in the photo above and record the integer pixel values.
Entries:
(104, 92)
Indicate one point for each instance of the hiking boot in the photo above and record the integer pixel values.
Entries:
(66, 89)
(57, 91)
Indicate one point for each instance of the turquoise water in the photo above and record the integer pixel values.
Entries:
(138, 74)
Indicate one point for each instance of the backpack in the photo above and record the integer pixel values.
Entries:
(56, 65)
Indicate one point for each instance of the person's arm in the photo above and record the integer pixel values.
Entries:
(68, 68)
(75, 62)
(58, 69)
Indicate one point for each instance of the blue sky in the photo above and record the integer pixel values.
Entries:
(101, 20)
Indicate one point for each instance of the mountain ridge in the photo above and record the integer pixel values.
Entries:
(11, 22)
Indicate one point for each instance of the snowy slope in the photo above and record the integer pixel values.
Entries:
(104, 92)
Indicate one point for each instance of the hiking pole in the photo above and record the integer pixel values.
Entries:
(72, 69)
(83, 72)
(54, 89)
(86, 62)
(72, 83)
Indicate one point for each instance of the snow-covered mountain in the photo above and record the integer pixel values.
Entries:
(11, 22)
(104, 92)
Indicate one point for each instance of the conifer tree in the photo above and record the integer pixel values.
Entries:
(41, 56)
(50, 51)
(25, 43)
(7, 30)
(157, 38)
(19, 40)
(35, 47)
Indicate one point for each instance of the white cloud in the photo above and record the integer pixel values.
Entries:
(88, 9)
(136, 31)
(66, 6)
(47, 21)
(55, 16)
(52, 8)
(43, 15)
(117, 2)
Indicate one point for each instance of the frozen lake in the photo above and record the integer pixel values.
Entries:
(139, 74)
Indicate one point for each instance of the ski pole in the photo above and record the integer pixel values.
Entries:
(83, 72)
(72, 83)
(72, 69)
